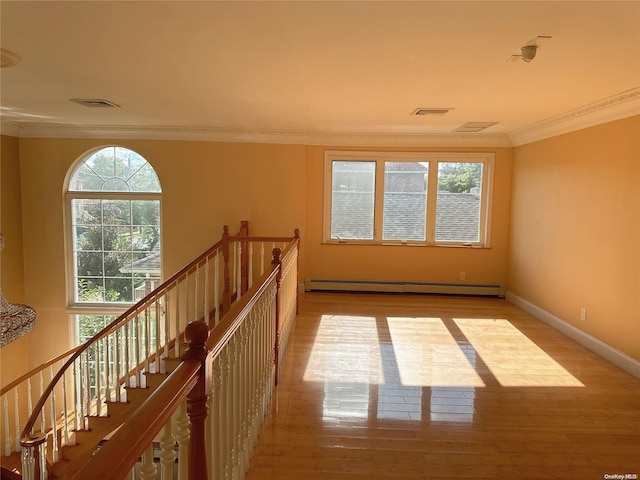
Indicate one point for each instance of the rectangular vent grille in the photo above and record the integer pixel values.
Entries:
(473, 127)
(95, 102)
(431, 111)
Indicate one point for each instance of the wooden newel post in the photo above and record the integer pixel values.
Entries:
(276, 347)
(196, 334)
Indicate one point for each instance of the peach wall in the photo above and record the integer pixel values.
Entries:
(408, 263)
(13, 357)
(575, 230)
(205, 185)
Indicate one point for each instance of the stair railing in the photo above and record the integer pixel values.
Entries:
(117, 357)
(227, 383)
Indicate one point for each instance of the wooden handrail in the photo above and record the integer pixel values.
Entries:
(230, 322)
(116, 458)
(138, 307)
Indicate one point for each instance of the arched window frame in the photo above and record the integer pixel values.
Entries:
(105, 309)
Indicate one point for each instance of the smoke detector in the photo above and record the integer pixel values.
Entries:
(528, 50)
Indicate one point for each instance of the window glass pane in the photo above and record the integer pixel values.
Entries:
(352, 199)
(116, 212)
(114, 169)
(102, 162)
(146, 212)
(85, 179)
(110, 251)
(405, 200)
(88, 237)
(144, 180)
(90, 289)
(119, 289)
(89, 325)
(458, 202)
(87, 212)
(128, 162)
(89, 264)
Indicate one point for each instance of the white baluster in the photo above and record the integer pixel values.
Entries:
(28, 464)
(43, 421)
(186, 301)
(137, 346)
(127, 347)
(158, 337)
(77, 395)
(98, 375)
(239, 272)
(65, 413)
(182, 437)
(177, 344)
(234, 270)
(87, 389)
(16, 406)
(148, 469)
(29, 399)
(54, 426)
(216, 288)
(42, 451)
(167, 325)
(167, 454)
(107, 377)
(7, 428)
(116, 364)
(250, 264)
(261, 258)
(195, 294)
(214, 442)
(206, 293)
(147, 339)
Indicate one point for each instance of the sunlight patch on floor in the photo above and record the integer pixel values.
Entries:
(513, 358)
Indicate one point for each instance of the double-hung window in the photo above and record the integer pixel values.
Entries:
(430, 198)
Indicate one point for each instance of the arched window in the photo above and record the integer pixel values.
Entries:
(113, 198)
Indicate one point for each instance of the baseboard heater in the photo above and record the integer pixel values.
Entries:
(311, 285)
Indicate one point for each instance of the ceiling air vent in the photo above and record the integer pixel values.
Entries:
(95, 102)
(430, 111)
(473, 127)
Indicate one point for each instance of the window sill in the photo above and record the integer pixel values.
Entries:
(98, 309)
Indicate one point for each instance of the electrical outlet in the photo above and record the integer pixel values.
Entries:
(463, 276)
(583, 314)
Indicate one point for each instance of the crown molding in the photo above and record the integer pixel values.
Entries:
(623, 105)
(46, 130)
(617, 107)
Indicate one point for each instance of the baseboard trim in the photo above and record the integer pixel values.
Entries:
(404, 287)
(615, 356)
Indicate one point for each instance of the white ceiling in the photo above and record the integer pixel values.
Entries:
(313, 71)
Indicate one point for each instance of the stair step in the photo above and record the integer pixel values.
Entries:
(12, 466)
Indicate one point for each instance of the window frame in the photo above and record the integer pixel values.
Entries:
(74, 307)
(433, 159)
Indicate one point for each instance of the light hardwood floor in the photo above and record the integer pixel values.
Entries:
(433, 387)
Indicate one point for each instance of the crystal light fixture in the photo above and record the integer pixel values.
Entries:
(15, 319)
